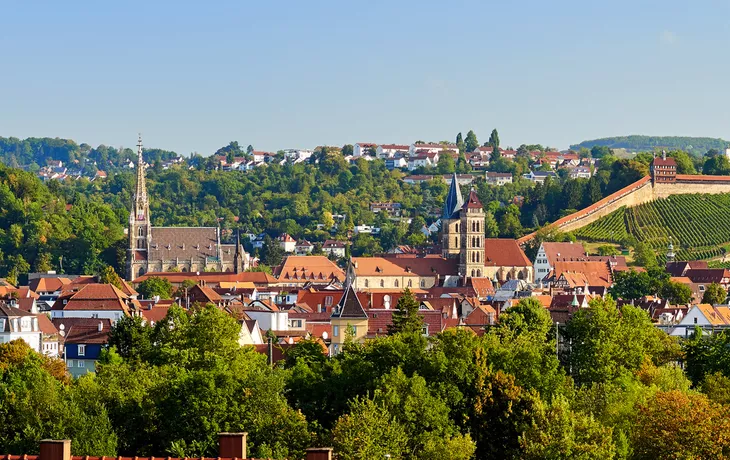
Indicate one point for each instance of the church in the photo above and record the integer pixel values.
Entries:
(184, 249)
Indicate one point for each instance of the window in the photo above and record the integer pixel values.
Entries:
(141, 231)
(695, 320)
(702, 287)
(423, 283)
(382, 283)
(336, 331)
(328, 299)
(295, 323)
(70, 363)
(82, 363)
(410, 283)
(81, 350)
(395, 283)
(354, 330)
(367, 283)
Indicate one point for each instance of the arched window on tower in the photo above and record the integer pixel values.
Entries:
(472, 273)
(457, 226)
(479, 273)
(478, 225)
(141, 231)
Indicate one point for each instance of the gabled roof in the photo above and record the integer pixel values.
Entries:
(472, 201)
(47, 284)
(591, 273)
(483, 287)
(504, 252)
(93, 297)
(308, 268)
(83, 330)
(349, 305)
(557, 251)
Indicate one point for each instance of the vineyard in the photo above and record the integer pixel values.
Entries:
(699, 225)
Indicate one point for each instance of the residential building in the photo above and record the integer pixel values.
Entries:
(550, 252)
(495, 178)
(397, 162)
(413, 149)
(386, 151)
(83, 340)
(348, 317)
(704, 315)
(423, 159)
(287, 243)
(334, 247)
(392, 209)
(300, 270)
(303, 248)
(18, 324)
(580, 172)
(540, 176)
(104, 301)
(363, 148)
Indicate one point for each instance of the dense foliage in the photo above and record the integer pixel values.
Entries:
(696, 145)
(168, 389)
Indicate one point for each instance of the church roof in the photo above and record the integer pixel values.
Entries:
(349, 305)
(472, 200)
(184, 243)
(454, 200)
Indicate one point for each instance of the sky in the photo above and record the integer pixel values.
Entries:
(193, 76)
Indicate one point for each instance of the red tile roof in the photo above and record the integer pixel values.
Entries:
(561, 251)
(504, 252)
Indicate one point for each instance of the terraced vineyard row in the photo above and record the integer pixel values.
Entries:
(698, 225)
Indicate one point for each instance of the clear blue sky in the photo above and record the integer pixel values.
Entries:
(192, 76)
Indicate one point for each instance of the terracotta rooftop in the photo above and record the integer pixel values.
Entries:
(504, 252)
(557, 251)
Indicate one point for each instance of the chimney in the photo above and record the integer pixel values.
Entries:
(319, 453)
(55, 449)
(319, 308)
(232, 445)
(101, 326)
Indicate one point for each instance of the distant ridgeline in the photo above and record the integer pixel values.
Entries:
(695, 145)
(16, 152)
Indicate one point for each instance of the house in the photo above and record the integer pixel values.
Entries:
(363, 148)
(250, 333)
(663, 170)
(50, 338)
(550, 252)
(386, 151)
(287, 243)
(301, 270)
(704, 315)
(348, 317)
(392, 209)
(83, 340)
(18, 324)
(202, 294)
(680, 268)
(398, 271)
(581, 277)
(505, 260)
(703, 277)
(397, 162)
(423, 159)
(334, 247)
(579, 172)
(413, 149)
(103, 301)
(366, 229)
(540, 176)
(303, 248)
(495, 178)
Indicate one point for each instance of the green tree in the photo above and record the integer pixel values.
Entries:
(714, 294)
(272, 252)
(155, 286)
(471, 143)
(676, 293)
(406, 318)
(460, 143)
(109, 276)
(606, 340)
(607, 250)
(644, 255)
(131, 338)
(368, 431)
(494, 139)
(446, 164)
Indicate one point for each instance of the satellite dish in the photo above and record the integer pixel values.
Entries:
(62, 327)
(325, 335)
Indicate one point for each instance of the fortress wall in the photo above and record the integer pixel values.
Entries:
(642, 194)
(641, 191)
(686, 187)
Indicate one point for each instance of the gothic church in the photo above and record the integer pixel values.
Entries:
(185, 249)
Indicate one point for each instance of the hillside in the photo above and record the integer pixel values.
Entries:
(698, 224)
(635, 143)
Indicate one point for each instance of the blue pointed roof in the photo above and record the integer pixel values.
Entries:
(454, 200)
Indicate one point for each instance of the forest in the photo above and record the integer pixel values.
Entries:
(697, 146)
(612, 390)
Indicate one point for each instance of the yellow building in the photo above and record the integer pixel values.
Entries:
(348, 315)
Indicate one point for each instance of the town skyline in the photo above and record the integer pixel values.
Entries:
(301, 75)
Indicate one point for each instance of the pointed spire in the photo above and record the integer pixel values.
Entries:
(349, 305)
(454, 200)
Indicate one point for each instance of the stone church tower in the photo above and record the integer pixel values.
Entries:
(140, 228)
(451, 221)
(462, 231)
(471, 256)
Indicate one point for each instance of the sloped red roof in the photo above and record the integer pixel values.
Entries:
(504, 252)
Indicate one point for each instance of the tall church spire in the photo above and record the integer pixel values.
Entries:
(454, 200)
(140, 194)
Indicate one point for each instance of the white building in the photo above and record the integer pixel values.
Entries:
(334, 247)
(705, 316)
(102, 301)
(495, 178)
(18, 324)
(390, 150)
(287, 243)
(362, 148)
(540, 176)
(549, 252)
(431, 148)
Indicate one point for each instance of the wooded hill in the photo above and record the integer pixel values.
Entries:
(695, 145)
